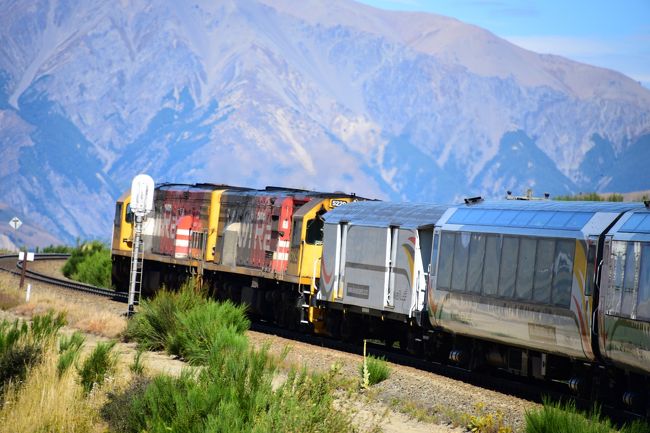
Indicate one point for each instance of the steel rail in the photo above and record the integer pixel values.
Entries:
(68, 284)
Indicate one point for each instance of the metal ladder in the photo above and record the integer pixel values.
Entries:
(137, 263)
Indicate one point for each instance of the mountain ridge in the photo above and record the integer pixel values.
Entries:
(320, 95)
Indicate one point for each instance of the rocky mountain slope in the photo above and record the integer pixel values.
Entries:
(328, 95)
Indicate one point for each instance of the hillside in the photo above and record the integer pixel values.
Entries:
(326, 95)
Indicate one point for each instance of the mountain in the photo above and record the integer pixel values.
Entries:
(329, 95)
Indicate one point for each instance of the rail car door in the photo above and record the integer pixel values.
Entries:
(425, 236)
(389, 300)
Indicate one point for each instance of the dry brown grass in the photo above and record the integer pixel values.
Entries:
(81, 315)
(47, 403)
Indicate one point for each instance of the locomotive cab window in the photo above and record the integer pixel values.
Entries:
(129, 214)
(314, 234)
(118, 215)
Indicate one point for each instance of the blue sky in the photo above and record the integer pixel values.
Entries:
(613, 34)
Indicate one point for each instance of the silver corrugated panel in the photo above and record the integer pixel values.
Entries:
(384, 214)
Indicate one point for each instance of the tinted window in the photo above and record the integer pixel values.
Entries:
(559, 220)
(563, 272)
(490, 216)
(615, 290)
(118, 215)
(579, 220)
(461, 255)
(508, 268)
(506, 217)
(643, 306)
(314, 235)
(491, 269)
(644, 227)
(543, 270)
(475, 269)
(631, 224)
(523, 218)
(541, 219)
(629, 289)
(526, 268)
(446, 258)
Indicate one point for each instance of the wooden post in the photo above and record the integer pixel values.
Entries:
(22, 272)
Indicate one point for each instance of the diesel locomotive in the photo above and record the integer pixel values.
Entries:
(554, 291)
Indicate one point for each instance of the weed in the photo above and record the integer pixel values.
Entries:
(485, 422)
(69, 348)
(374, 370)
(100, 364)
(48, 402)
(137, 367)
(555, 417)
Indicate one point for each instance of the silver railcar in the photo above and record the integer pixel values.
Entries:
(522, 274)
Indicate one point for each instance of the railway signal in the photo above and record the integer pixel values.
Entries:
(142, 191)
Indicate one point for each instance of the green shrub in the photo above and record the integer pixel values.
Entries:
(69, 349)
(57, 249)
(137, 367)
(90, 262)
(636, 426)
(22, 345)
(234, 393)
(208, 327)
(154, 327)
(377, 370)
(95, 269)
(558, 417)
(100, 364)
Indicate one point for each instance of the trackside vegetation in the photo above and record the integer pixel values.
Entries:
(89, 262)
(564, 417)
(234, 390)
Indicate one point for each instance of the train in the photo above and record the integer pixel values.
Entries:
(546, 290)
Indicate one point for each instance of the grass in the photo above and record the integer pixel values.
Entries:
(564, 417)
(374, 370)
(49, 402)
(98, 366)
(235, 390)
(22, 346)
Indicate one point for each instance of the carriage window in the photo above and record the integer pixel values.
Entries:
(643, 306)
(491, 269)
(544, 270)
(461, 254)
(629, 284)
(617, 265)
(446, 258)
(563, 272)
(591, 269)
(508, 268)
(475, 268)
(526, 268)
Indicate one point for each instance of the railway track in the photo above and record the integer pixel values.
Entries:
(10, 263)
(494, 380)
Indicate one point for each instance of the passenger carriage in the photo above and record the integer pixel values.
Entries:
(520, 278)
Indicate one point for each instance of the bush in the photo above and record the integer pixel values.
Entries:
(557, 417)
(377, 370)
(208, 327)
(100, 364)
(90, 263)
(234, 393)
(22, 344)
(69, 348)
(154, 327)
